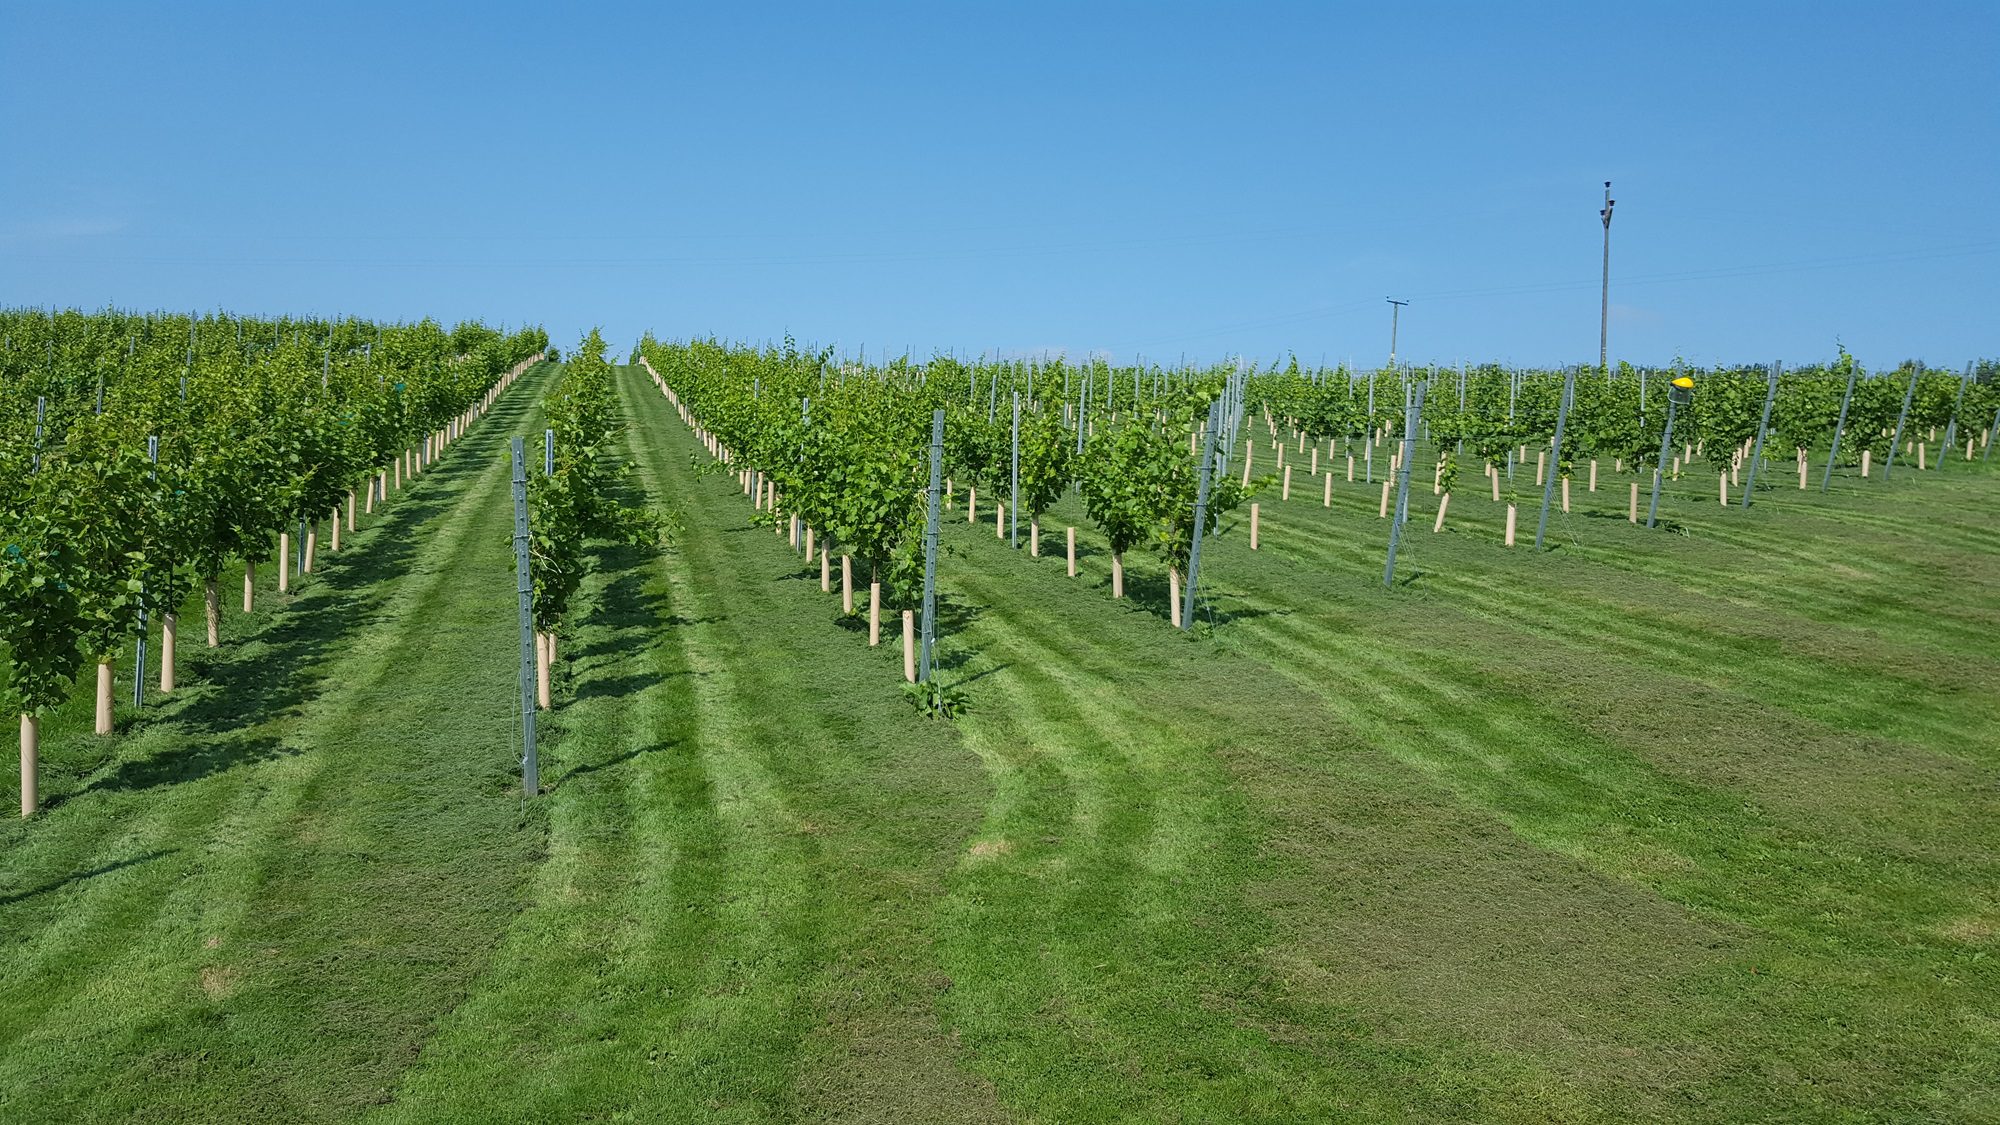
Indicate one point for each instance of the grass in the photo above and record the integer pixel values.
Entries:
(1654, 825)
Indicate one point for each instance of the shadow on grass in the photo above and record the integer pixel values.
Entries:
(959, 660)
(106, 869)
(589, 768)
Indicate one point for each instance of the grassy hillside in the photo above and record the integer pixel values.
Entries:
(1657, 825)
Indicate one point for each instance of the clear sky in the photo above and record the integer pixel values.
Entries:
(1143, 179)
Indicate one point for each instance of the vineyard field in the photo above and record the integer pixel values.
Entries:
(1682, 824)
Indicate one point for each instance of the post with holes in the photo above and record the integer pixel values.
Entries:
(1014, 488)
(1200, 513)
(1839, 427)
(1896, 443)
(1412, 406)
(1082, 408)
(1368, 449)
(1413, 397)
(1679, 390)
(1763, 425)
(1555, 470)
(1951, 426)
(1461, 407)
(548, 453)
(530, 779)
(927, 667)
(139, 655)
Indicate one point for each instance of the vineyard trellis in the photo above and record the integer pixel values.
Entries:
(846, 461)
(145, 452)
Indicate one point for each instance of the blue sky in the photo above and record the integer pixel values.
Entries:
(1156, 180)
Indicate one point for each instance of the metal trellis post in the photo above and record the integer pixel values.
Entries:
(1412, 404)
(1660, 466)
(1951, 427)
(1896, 443)
(1763, 426)
(530, 779)
(1200, 513)
(1014, 487)
(927, 666)
(139, 655)
(1839, 427)
(1555, 455)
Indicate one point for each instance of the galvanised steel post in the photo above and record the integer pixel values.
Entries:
(548, 453)
(1951, 427)
(1233, 419)
(1186, 608)
(41, 415)
(1604, 299)
(1764, 424)
(1368, 446)
(139, 657)
(1660, 466)
(1082, 404)
(1991, 433)
(1461, 408)
(530, 775)
(927, 665)
(1412, 405)
(1896, 443)
(1410, 393)
(1014, 488)
(1839, 427)
(1555, 455)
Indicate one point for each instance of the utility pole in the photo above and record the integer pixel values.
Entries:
(1604, 299)
(1395, 312)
